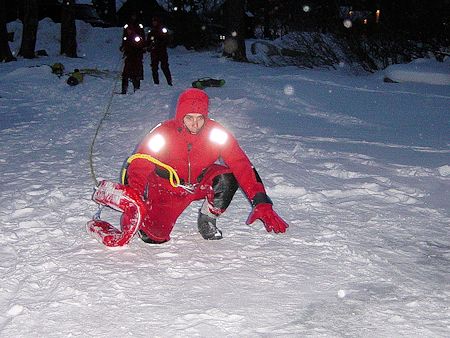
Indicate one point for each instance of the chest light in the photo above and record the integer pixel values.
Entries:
(156, 143)
(218, 136)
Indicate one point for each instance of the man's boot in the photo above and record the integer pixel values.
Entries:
(207, 227)
(155, 76)
(124, 85)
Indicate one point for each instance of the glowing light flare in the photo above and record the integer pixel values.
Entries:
(124, 38)
(306, 8)
(230, 45)
(289, 90)
(156, 143)
(234, 34)
(137, 38)
(125, 26)
(164, 30)
(348, 23)
(218, 136)
(141, 26)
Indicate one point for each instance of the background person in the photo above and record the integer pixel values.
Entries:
(133, 44)
(157, 41)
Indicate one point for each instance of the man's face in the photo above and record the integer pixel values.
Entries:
(194, 122)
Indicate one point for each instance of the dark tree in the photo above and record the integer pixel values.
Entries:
(421, 20)
(68, 30)
(30, 26)
(234, 45)
(5, 51)
(106, 9)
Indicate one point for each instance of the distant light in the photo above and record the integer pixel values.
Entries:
(341, 293)
(137, 39)
(365, 21)
(347, 23)
(164, 30)
(230, 46)
(234, 34)
(175, 8)
(222, 37)
(288, 90)
(203, 28)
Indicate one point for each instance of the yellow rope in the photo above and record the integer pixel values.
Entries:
(172, 173)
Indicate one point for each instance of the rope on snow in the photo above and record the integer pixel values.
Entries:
(106, 113)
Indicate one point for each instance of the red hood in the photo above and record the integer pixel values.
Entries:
(192, 100)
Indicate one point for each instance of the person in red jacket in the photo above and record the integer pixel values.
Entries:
(157, 41)
(133, 44)
(210, 165)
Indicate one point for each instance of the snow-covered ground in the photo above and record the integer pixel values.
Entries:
(359, 168)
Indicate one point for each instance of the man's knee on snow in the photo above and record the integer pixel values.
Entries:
(224, 186)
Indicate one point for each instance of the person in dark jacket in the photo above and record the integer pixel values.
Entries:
(157, 41)
(192, 144)
(133, 46)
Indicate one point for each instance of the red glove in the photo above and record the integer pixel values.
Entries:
(271, 220)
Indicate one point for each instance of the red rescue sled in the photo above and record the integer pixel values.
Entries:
(121, 198)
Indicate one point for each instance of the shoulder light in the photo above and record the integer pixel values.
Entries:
(126, 26)
(141, 26)
(218, 136)
(156, 143)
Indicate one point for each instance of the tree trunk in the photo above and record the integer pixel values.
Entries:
(234, 45)
(68, 30)
(111, 15)
(5, 51)
(30, 26)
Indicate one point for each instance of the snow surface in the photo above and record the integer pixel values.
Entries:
(359, 168)
(420, 70)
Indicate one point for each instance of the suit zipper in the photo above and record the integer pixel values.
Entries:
(189, 147)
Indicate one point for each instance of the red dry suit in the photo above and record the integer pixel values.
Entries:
(194, 158)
